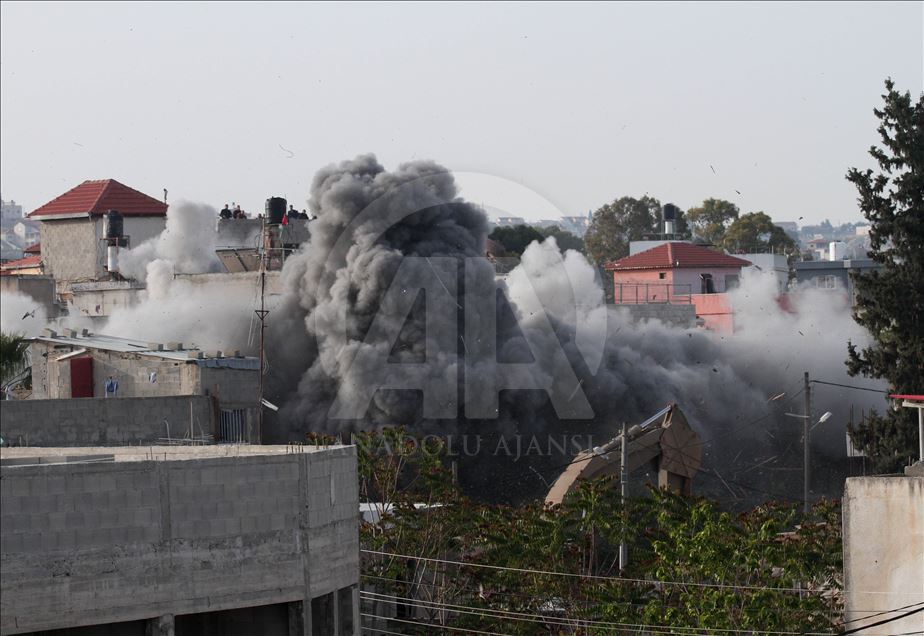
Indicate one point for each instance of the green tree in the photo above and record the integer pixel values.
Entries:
(710, 220)
(515, 239)
(750, 572)
(755, 232)
(566, 240)
(890, 301)
(14, 350)
(617, 223)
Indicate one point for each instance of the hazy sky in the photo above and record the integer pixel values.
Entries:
(576, 103)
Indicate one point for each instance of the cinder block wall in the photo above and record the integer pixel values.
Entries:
(674, 315)
(85, 544)
(103, 421)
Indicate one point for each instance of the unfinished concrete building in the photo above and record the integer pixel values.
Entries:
(84, 365)
(180, 540)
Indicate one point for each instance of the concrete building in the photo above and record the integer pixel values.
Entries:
(72, 228)
(510, 221)
(72, 365)
(240, 243)
(577, 225)
(680, 273)
(179, 540)
(776, 264)
(790, 227)
(883, 552)
(833, 276)
(10, 211)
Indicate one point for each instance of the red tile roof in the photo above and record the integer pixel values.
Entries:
(23, 263)
(34, 249)
(675, 255)
(94, 198)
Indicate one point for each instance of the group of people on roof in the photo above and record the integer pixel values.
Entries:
(233, 213)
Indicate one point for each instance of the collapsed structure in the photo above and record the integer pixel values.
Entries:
(666, 438)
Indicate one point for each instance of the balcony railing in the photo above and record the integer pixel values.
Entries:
(666, 293)
(652, 293)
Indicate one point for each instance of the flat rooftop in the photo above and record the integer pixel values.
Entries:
(19, 456)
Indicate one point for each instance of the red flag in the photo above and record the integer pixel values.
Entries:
(285, 219)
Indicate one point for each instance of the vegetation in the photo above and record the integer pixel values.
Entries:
(566, 240)
(626, 219)
(691, 565)
(755, 232)
(14, 350)
(890, 301)
(710, 220)
(516, 238)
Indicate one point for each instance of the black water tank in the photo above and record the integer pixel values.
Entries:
(670, 212)
(114, 225)
(275, 209)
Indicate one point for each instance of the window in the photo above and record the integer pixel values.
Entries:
(827, 281)
(708, 286)
(662, 275)
(731, 281)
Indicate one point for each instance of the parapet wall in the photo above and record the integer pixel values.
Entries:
(675, 315)
(96, 543)
(102, 421)
(883, 552)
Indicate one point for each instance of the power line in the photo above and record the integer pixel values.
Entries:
(847, 386)
(563, 621)
(882, 622)
(589, 576)
(891, 611)
(455, 629)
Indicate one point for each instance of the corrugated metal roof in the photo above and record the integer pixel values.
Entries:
(128, 345)
(675, 255)
(93, 198)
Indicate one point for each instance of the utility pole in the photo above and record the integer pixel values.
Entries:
(806, 426)
(261, 313)
(624, 492)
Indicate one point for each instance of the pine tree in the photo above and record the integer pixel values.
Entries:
(890, 300)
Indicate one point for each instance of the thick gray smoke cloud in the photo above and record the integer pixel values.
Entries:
(336, 284)
(370, 219)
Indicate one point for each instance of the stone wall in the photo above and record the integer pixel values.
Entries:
(102, 421)
(883, 551)
(102, 543)
(73, 251)
(69, 249)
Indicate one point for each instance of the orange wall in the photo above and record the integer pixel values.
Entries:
(642, 286)
(715, 310)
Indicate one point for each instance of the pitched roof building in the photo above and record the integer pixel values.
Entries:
(680, 273)
(72, 228)
(94, 198)
(675, 255)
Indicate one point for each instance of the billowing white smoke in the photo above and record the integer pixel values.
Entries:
(187, 243)
(20, 314)
(209, 314)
